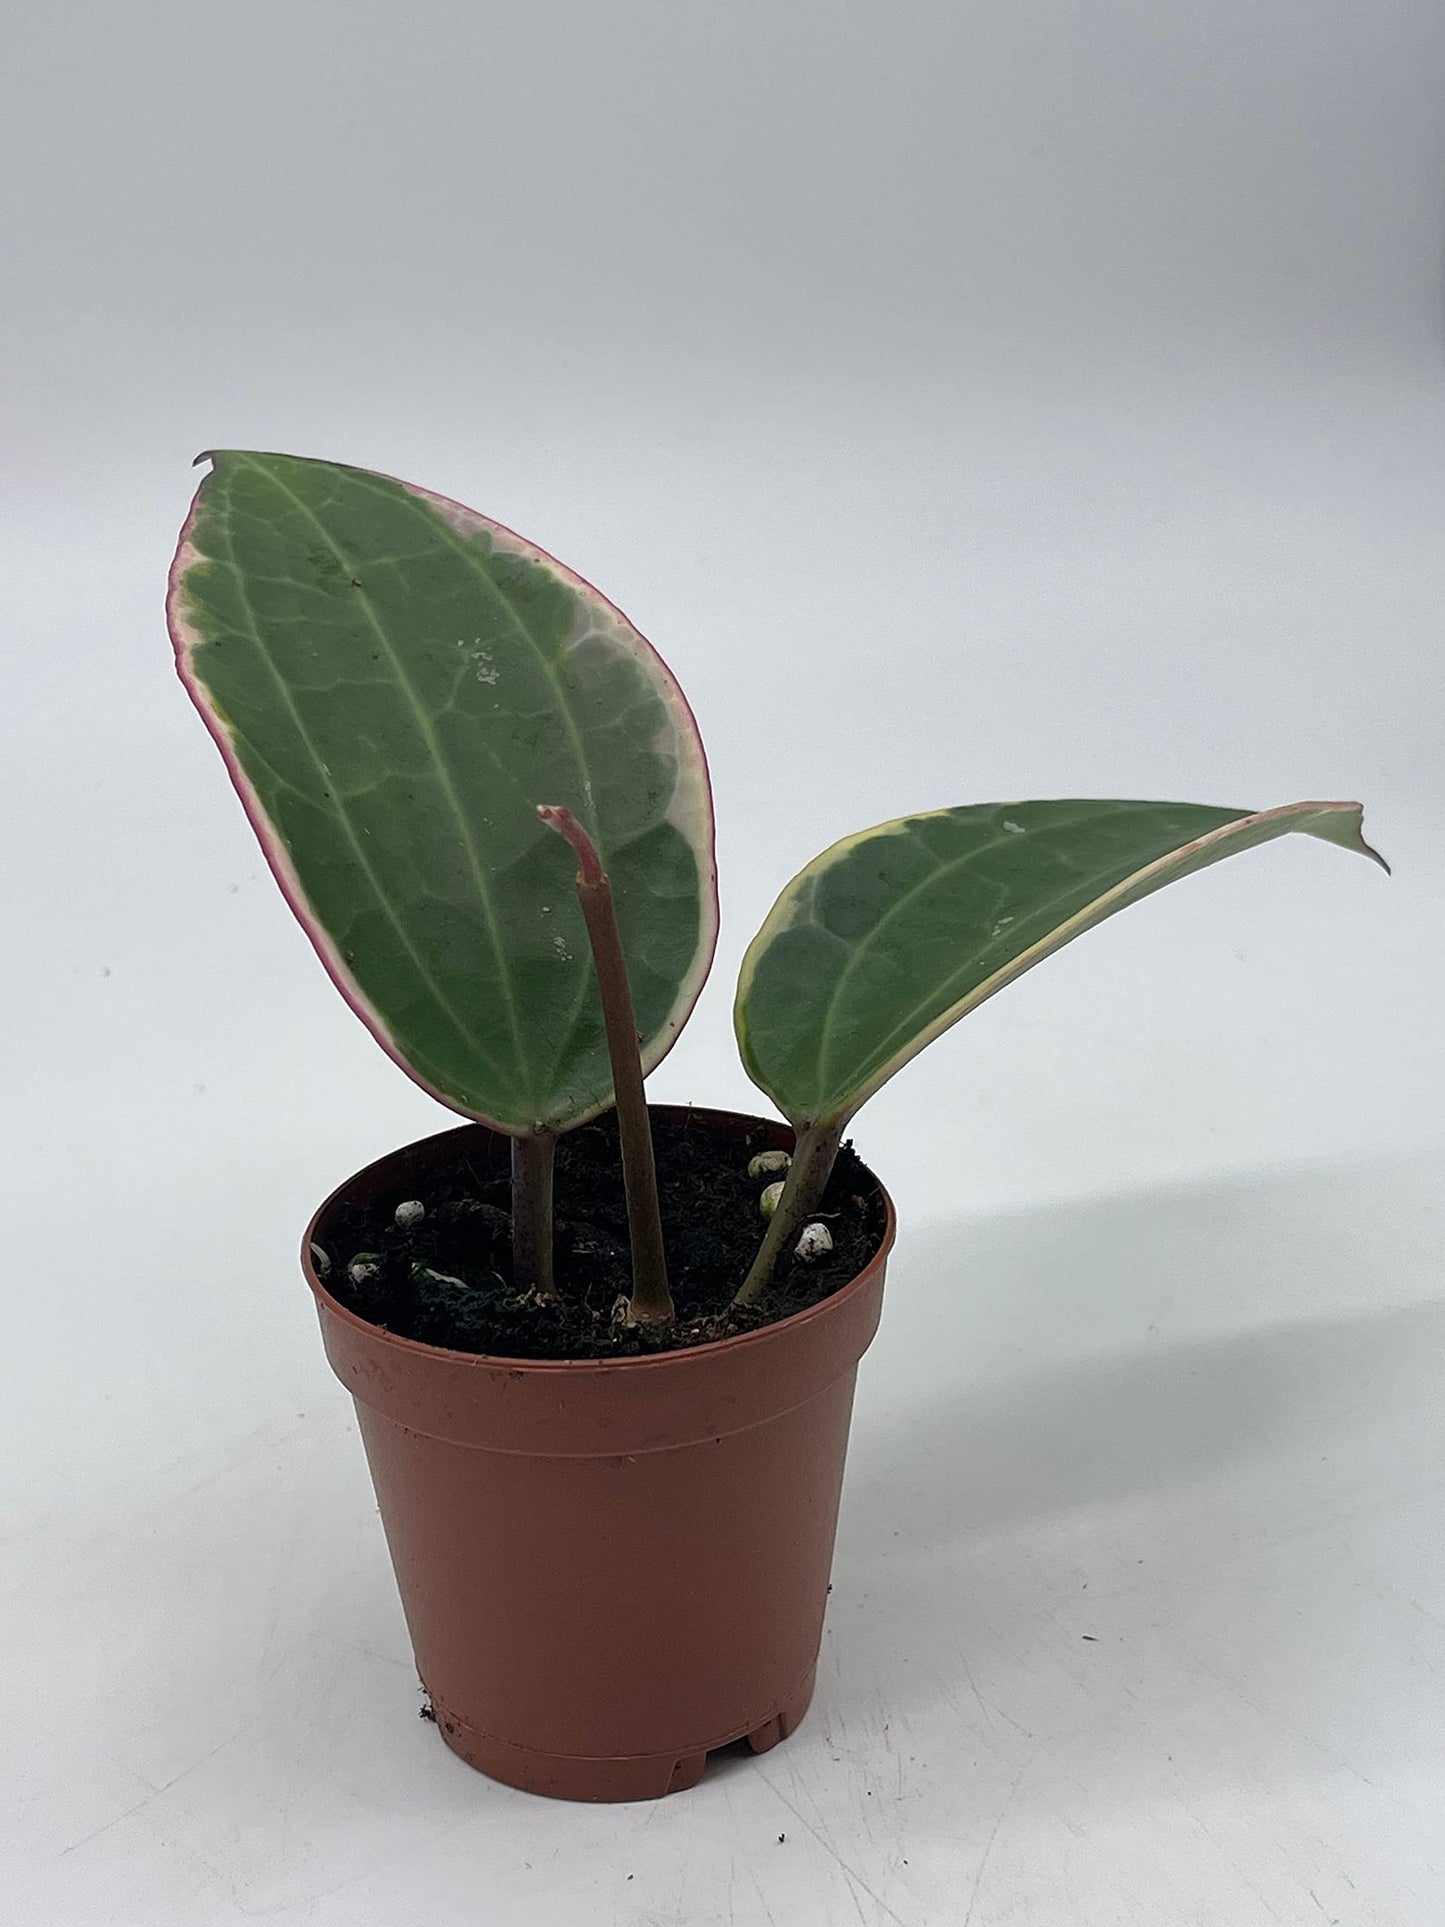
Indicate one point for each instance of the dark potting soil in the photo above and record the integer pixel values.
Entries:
(448, 1280)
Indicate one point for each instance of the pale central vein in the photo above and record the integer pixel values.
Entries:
(342, 816)
(459, 544)
(945, 869)
(427, 729)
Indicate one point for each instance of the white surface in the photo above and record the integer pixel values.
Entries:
(1043, 400)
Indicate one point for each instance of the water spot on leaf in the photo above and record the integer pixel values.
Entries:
(481, 658)
(1014, 829)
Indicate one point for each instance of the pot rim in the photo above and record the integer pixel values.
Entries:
(564, 1367)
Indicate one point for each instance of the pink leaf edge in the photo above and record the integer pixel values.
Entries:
(184, 640)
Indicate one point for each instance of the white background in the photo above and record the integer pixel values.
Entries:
(972, 402)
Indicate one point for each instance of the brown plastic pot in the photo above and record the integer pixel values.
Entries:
(608, 1567)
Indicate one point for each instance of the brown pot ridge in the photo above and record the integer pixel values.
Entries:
(608, 1566)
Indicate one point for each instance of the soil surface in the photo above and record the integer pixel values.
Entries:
(448, 1279)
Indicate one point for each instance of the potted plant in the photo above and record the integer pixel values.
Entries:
(602, 1356)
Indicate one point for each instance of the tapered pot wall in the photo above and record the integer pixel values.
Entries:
(608, 1567)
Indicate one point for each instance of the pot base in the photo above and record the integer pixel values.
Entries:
(644, 1776)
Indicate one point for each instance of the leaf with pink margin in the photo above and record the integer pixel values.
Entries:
(891, 936)
(395, 682)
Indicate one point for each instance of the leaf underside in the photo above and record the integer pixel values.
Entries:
(396, 683)
(891, 936)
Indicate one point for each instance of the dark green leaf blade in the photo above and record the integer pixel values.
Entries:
(395, 682)
(893, 935)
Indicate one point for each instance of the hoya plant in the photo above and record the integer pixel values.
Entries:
(485, 798)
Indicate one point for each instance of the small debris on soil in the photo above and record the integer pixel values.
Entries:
(772, 1194)
(816, 1242)
(446, 1279)
(767, 1164)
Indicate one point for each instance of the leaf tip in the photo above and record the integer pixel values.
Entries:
(1355, 812)
(1368, 847)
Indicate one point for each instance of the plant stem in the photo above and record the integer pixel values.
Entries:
(651, 1300)
(532, 1161)
(813, 1158)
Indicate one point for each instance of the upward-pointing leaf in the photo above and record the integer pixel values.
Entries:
(396, 683)
(890, 936)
